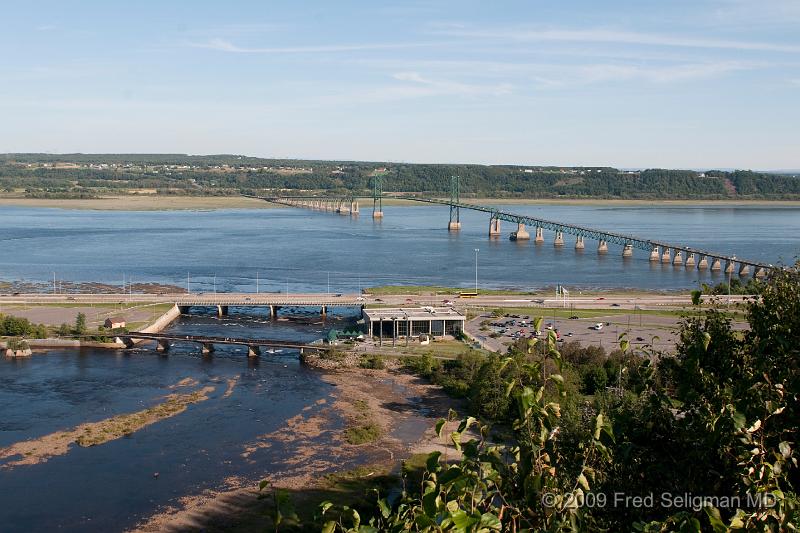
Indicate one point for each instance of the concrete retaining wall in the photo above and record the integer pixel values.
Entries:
(163, 321)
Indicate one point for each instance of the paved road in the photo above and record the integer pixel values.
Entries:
(316, 299)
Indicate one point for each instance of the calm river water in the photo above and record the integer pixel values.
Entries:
(112, 487)
(302, 250)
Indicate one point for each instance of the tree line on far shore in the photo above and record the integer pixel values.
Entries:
(227, 175)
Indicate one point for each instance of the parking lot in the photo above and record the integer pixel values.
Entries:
(497, 333)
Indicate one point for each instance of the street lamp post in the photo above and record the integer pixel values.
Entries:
(730, 274)
(476, 270)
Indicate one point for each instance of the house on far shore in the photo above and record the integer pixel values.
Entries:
(114, 322)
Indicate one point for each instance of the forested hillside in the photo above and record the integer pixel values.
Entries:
(87, 175)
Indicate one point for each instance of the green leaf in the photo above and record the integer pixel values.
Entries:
(329, 527)
(432, 463)
(384, 507)
(466, 423)
(324, 506)
(739, 420)
(706, 340)
(430, 503)
(462, 520)
(490, 521)
(510, 387)
(439, 425)
(598, 425)
(456, 438)
(583, 482)
(263, 483)
(785, 449)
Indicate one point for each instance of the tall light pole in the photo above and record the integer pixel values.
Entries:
(730, 274)
(476, 270)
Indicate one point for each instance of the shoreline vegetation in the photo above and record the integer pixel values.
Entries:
(89, 176)
(154, 202)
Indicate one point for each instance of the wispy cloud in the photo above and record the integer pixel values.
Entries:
(545, 75)
(227, 46)
(615, 37)
(435, 87)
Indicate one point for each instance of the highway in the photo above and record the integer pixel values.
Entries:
(642, 301)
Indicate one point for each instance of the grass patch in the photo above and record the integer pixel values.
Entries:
(362, 433)
(392, 290)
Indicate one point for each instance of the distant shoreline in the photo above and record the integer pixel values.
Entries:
(178, 203)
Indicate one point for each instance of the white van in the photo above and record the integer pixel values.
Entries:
(598, 326)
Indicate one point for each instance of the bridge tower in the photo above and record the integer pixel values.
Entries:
(455, 214)
(377, 196)
(494, 225)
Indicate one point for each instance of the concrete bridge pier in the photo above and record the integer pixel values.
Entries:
(730, 267)
(579, 243)
(128, 342)
(627, 251)
(324, 310)
(377, 214)
(559, 240)
(273, 311)
(162, 346)
(703, 263)
(744, 269)
(354, 208)
(539, 239)
(208, 348)
(494, 227)
(222, 310)
(760, 273)
(716, 265)
(454, 226)
(655, 255)
(521, 234)
(690, 260)
(602, 247)
(666, 257)
(678, 259)
(253, 351)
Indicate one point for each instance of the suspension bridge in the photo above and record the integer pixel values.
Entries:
(659, 251)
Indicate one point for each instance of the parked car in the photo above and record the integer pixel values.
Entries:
(574, 317)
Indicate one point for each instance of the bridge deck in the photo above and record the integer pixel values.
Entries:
(206, 339)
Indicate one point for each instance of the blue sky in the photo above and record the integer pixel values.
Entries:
(624, 83)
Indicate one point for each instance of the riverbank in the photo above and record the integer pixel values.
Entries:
(326, 466)
(177, 203)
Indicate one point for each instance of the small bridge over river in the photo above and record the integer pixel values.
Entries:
(207, 343)
(659, 251)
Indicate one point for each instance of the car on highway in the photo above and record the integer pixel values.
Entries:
(574, 317)
(614, 305)
(598, 326)
(361, 299)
